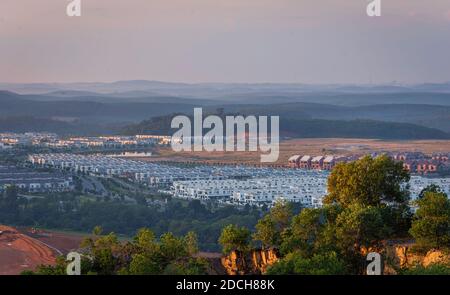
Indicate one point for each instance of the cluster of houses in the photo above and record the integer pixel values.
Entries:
(414, 162)
(152, 174)
(417, 162)
(111, 141)
(305, 189)
(34, 182)
(233, 184)
(9, 140)
(54, 141)
(106, 166)
(308, 162)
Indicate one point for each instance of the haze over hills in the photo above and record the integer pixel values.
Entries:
(238, 93)
(434, 116)
(315, 128)
(145, 88)
(108, 107)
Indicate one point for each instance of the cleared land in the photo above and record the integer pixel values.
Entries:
(19, 252)
(24, 249)
(316, 146)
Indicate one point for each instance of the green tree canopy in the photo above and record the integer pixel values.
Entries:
(145, 255)
(270, 228)
(235, 238)
(312, 230)
(368, 182)
(431, 225)
(358, 226)
(432, 188)
(266, 232)
(319, 264)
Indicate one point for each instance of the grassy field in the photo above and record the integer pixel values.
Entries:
(316, 146)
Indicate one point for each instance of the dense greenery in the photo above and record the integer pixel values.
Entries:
(235, 238)
(319, 128)
(327, 263)
(79, 213)
(433, 269)
(368, 182)
(335, 116)
(144, 255)
(367, 203)
(270, 228)
(312, 128)
(431, 225)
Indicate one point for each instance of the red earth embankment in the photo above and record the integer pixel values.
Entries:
(19, 252)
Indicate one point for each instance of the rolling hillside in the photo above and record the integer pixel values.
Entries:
(316, 128)
(91, 113)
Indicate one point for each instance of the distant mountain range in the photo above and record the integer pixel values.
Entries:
(108, 107)
(143, 88)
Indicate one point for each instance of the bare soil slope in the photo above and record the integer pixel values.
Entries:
(19, 252)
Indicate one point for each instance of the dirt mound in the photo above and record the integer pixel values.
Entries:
(19, 252)
(61, 242)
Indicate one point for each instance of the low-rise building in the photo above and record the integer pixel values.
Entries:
(294, 161)
(32, 181)
(317, 162)
(305, 162)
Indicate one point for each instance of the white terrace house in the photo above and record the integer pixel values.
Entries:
(263, 191)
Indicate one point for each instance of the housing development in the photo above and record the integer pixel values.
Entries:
(33, 181)
(51, 140)
(414, 162)
(234, 184)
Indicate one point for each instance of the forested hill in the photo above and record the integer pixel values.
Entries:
(102, 114)
(316, 128)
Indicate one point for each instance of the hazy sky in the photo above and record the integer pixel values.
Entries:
(316, 41)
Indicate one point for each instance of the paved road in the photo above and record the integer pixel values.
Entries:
(91, 183)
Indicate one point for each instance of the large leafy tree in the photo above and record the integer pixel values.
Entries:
(367, 202)
(146, 257)
(102, 252)
(368, 182)
(266, 232)
(270, 228)
(191, 243)
(235, 238)
(281, 214)
(311, 231)
(431, 225)
(432, 188)
(358, 226)
(373, 182)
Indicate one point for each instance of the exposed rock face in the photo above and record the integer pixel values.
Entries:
(396, 256)
(436, 256)
(254, 262)
(401, 256)
(264, 258)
